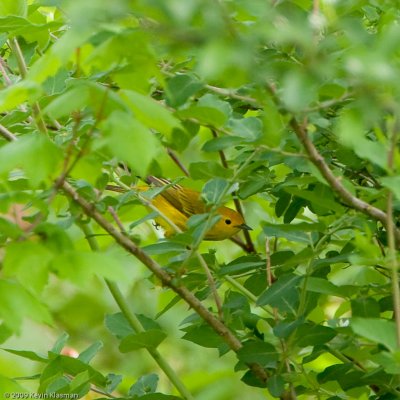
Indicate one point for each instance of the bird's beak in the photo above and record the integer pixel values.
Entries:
(244, 227)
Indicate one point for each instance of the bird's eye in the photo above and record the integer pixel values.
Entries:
(228, 221)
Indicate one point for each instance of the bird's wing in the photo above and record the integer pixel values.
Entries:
(187, 201)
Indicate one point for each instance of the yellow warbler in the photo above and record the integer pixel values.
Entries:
(178, 204)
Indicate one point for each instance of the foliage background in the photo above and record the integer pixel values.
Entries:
(289, 107)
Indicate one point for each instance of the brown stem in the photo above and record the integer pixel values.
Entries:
(177, 161)
(249, 242)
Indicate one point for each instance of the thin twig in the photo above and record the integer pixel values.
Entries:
(116, 219)
(268, 262)
(9, 136)
(177, 161)
(249, 242)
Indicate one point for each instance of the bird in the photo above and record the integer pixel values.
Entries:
(179, 203)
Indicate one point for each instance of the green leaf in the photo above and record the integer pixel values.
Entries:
(17, 25)
(17, 94)
(222, 143)
(72, 100)
(320, 285)
(13, 7)
(87, 355)
(242, 264)
(392, 183)
(204, 336)
(25, 153)
(180, 88)
(149, 339)
(150, 112)
(313, 335)
(258, 352)
(208, 170)
(60, 343)
(131, 141)
(377, 330)
(365, 307)
(16, 303)
(57, 56)
(276, 385)
(8, 385)
(281, 230)
(144, 385)
(351, 133)
(79, 266)
(207, 116)
(29, 355)
(283, 294)
(118, 325)
(214, 190)
(249, 129)
(31, 269)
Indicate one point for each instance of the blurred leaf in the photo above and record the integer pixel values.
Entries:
(203, 115)
(208, 170)
(365, 307)
(60, 343)
(29, 355)
(145, 384)
(351, 132)
(392, 183)
(204, 336)
(118, 325)
(17, 303)
(276, 385)
(313, 335)
(17, 94)
(377, 330)
(131, 141)
(10, 386)
(79, 266)
(283, 294)
(180, 88)
(24, 154)
(149, 339)
(249, 129)
(31, 269)
(258, 352)
(87, 355)
(151, 113)
(222, 143)
(214, 190)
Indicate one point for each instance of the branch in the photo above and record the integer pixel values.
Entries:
(9, 136)
(334, 182)
(163, 276)
(135, 323)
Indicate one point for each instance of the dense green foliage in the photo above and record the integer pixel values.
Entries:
(289, 109)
